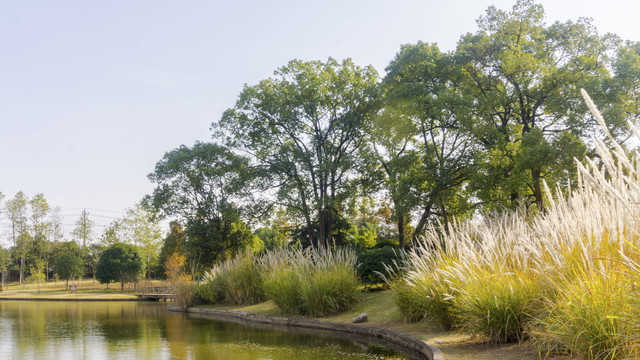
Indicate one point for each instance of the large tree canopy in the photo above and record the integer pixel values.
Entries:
(204, 186)
(68, 266)
(523, 79)
(419, 139)
(304, 128)
(488, 122)
(119, 262)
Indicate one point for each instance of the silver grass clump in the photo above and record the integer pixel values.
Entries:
(601, 212)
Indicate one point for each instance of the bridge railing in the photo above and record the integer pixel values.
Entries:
(158, 290)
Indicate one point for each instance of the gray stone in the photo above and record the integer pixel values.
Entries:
(360, 319)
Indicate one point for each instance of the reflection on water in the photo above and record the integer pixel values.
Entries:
(129, 330)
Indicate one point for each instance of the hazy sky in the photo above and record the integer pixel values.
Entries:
(93, 93)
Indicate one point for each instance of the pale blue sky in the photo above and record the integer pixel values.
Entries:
(93, 93)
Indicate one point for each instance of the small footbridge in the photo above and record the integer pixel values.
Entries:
(157, 294)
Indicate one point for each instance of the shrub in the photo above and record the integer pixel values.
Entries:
(371, 263)
(119, 262)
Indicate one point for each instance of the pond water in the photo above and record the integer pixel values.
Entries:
(132, 330)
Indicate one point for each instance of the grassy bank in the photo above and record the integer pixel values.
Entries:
(87, 290)
(381, 309)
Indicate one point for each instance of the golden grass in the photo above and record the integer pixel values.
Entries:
(488, 268)
(87, 289)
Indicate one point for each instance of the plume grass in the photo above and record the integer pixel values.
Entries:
(565, 278)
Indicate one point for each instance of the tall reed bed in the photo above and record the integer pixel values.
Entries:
(566, 278)
(315, 281)
(236, 281)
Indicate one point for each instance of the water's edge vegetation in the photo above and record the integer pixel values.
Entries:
(395, 340)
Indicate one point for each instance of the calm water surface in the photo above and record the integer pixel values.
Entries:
(131, 330)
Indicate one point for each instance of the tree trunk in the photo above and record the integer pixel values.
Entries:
(121, 286)
(22, 269)
(422, 222)
(322, 236)
(537, 190)
(445, 218)
(401, 230)
(324, 224)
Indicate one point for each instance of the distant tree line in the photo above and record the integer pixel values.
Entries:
(37, 250)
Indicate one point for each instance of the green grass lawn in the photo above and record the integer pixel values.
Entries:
(87, 289)
(381, 310)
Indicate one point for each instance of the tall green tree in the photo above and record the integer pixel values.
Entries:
(41, 227)
(17, 211)
(304, 128)
(68, 266)
(420, 139)
(174, 242)
(143, 230)
(5, 262)
(83, 232)
(205, 186)
(522, 79)
(119, 262)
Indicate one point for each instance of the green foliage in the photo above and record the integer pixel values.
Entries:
(420, 138)
(272, 237)
(119, 262)
(36, 272)
(16, 209)
(525, 76)
(304, 129)
(5, 261)
(69, 265)
(83, 232)
(174, 242)
(371, 263)
(202, 185)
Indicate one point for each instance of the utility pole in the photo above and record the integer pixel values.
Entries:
(82, 232)
(84, 228)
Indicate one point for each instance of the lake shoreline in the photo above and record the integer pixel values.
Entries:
(382, 312)
(387, 337)
(72, 299)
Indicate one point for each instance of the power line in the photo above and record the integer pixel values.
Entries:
(99, 210)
